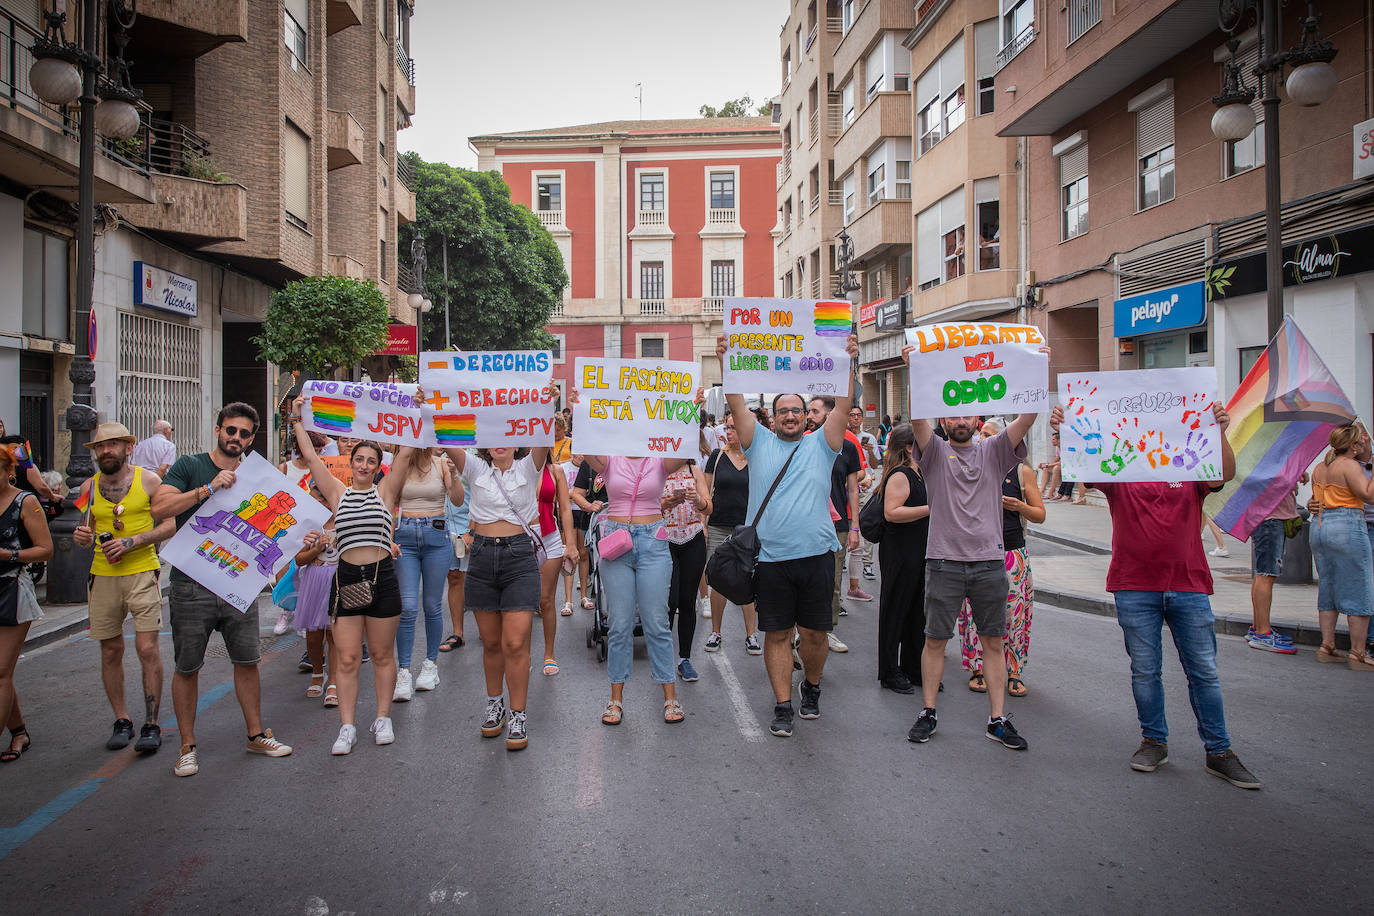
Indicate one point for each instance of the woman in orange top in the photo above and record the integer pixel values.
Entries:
(1340, 545)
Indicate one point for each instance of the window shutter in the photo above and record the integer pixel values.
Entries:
(873, 67)
(1248, 61)
(297, 150)
(1155, 127)
(928, 245)
(300, 11)
(1073, 165)
(985, 190)
(985, 48)
(928, 86)
(952, 211)
(952, 67)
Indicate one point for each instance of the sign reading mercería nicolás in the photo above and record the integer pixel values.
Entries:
(1162, 310)
(161, 289)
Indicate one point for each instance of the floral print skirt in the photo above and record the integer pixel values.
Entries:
(1020, 597)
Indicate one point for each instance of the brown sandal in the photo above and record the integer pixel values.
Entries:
(1330, 655)
(1359, 662)
(977, 684)
(672, 712)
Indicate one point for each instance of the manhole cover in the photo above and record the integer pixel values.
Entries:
(266, 644)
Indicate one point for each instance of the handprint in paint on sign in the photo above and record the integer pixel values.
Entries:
(1122, 455)
(1077, 403)
(1158, 452)
(1195, 449)
(1197, 410)
(1090, 431)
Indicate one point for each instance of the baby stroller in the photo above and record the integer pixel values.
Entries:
(600, 628)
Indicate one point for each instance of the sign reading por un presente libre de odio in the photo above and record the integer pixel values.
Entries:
(977, 369)
(786, 345)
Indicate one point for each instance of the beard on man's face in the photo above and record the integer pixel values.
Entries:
(960, 433)
(109, 464)
(230, 445)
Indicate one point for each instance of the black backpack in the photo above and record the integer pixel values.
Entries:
(872, 520)
(730, 569)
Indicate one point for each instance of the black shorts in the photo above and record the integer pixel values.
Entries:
(581, 519)
(386, 591)
(795, 593)
(503, 575)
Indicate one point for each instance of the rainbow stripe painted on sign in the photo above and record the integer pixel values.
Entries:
(1281, 416)
(456, 430)
(333, 414)
(833, 319)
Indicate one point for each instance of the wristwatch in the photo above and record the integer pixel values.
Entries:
(14, 556)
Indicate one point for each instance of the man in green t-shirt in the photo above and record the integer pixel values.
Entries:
(195, 610)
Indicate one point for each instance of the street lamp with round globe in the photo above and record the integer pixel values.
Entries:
(415, 300)
(1233, 122)
(426, 305)
(1312, 83)
(55, 80)
(116, 119)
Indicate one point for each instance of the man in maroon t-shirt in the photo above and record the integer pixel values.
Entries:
(1159, 574)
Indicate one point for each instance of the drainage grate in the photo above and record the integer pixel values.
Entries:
(266, 644)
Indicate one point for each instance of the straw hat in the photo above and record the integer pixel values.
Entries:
(106, 432)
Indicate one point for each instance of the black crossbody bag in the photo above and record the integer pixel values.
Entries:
(731, 568)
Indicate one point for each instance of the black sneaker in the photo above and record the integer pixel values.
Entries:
(899, 683)
(1150, 756)
(1001, 729)
(782, 720)
(121, 736)
(1228, 766)
(923, 728)
(810, 700)
(304, 663)
(149, 738)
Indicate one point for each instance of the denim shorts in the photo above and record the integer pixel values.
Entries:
(1266, 548)
(196, 613)
(983, 582)
(503, 574)
(1340, 545)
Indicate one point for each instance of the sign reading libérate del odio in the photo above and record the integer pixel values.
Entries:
(241, 536)
(962, 370)
(780, 346)
(488, 398)
(1140, 424)
(383, 412)
(637, 407)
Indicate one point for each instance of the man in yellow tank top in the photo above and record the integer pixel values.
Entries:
(124, 577)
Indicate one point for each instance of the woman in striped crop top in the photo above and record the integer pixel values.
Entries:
(638, 578)
(363, 519)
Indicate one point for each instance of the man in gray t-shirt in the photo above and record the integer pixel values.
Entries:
(965, 558)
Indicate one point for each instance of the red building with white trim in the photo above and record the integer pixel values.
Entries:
(657, 221)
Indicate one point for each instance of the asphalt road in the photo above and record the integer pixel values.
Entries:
(710, 816)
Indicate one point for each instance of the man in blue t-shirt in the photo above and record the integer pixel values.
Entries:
(796, 570)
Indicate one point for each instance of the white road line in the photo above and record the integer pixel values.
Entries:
(589, 783)
(749, 725)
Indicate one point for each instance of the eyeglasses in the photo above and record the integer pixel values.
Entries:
(789, 411)
(239, 432)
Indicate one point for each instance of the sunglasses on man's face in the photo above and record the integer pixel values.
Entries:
(239, 432)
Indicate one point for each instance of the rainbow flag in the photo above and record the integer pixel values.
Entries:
(833, 319)
(333, 414)
(1281, 416)
(456, 430)
(83, 502)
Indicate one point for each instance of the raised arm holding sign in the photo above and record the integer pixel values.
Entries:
(794, 345)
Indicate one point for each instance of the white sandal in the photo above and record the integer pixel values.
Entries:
(566, 610)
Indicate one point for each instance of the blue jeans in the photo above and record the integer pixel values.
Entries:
(426, 555)
(1142, 616)
(639, 577)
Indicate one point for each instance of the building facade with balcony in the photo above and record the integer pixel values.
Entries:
(1134, 200)
(267, 152)
(808, 201)
(658, 222)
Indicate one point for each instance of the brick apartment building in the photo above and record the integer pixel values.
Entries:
(1133, 199)
(657, 222)
(267, 153)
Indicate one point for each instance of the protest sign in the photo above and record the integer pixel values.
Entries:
(778, 346)
(241, 536)
(637, 407)
(962, 370)
(382, 412)
(1140, 424)
(488, 398)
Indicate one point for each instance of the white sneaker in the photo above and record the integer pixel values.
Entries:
(404, 691)
(704, 607)
(835, 644)
(283, 623)
(348, 736)
(381, 727)
(1220, 552)
(428, 678)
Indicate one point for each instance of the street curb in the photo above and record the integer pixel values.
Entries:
(1068, 540)
(1104, 606)
(57, 633)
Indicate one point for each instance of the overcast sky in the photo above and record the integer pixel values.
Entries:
(503, 65)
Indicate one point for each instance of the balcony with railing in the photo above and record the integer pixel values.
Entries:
(834, 24)
(815, 201)
(814, 125)
(405, 79)
(1014, 47)
(653, 307)
(834, 119)
(713, 305)
(551, 220)
(811, 37)
(1083, 15)
(836, 195)
(405, 278)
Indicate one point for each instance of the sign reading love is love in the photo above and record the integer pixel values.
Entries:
(786, 345)
(383, 412)
(978, 369)
(240, 537)
(637, 407)
(488, 398)
(1140, 424)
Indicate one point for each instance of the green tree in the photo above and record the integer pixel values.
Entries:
(505, 273)
(742, 107)
(320, 324)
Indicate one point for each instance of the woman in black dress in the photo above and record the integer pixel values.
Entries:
(902, 559)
